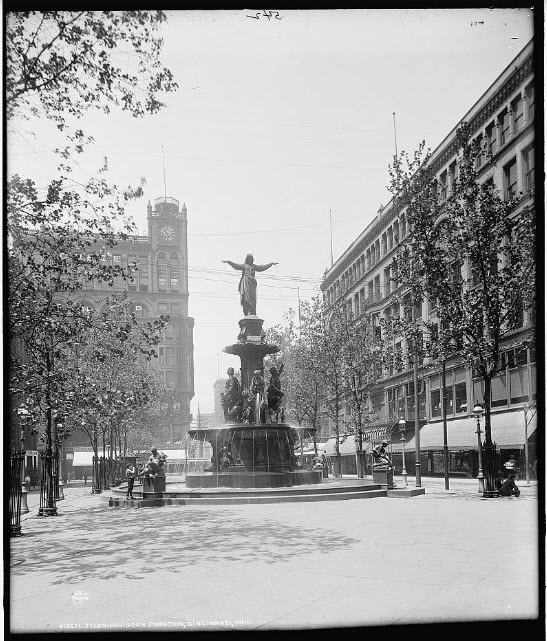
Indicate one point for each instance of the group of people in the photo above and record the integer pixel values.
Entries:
(257, 402)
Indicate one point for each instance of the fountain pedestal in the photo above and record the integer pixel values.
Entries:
(383, 477)
(153, 487)
(257, 451)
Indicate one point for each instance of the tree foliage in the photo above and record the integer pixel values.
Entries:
(61, 63)
(60, 235)
(471, 256)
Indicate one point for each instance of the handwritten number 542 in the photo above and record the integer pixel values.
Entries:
(267, 14)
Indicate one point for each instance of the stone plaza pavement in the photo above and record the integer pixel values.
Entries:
(446, 556)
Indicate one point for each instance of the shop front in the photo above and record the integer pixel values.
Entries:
(508, 432)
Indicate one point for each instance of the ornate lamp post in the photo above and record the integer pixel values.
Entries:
(402, 429)
(477, 413)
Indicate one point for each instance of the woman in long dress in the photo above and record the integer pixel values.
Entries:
(247, 283)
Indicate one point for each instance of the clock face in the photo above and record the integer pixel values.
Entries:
(167, 233)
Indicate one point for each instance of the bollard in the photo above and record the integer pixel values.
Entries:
(61, 493)
(24, 504)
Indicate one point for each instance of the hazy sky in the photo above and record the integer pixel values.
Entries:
(278, 121)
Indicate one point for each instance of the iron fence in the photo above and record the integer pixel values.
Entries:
(17, 462)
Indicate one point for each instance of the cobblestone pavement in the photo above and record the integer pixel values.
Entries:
(441, 557)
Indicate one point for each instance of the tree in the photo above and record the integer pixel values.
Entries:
(301, 401)
(323, 335)
(61, 63)
(108, 375)
(363, 359)
(472, 256)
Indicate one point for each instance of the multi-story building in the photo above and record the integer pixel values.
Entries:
(503, 121)
(159, 286)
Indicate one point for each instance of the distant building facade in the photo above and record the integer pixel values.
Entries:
(503, 121)
(160, 286)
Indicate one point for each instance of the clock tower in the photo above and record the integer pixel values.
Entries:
(168, 295)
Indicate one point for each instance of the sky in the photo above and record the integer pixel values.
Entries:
(280, 126)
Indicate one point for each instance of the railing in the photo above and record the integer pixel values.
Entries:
(17, 461)
(166, 199)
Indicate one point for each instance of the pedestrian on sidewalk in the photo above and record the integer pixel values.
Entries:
(325, 465)
(130, 476)
(509, 487)
(510, 466)
(85, 478)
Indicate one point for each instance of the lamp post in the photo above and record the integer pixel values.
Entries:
(477, 413)
(402, 429)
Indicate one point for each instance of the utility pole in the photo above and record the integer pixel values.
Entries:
(416, 400)
(331, 254)
(395, 133)
(445, 429)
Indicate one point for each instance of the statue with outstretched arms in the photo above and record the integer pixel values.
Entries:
(247, 283)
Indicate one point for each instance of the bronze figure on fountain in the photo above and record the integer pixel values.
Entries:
(275, 395)
(247, 283)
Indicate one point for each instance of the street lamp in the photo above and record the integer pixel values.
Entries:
(402, 429)
(477, 413)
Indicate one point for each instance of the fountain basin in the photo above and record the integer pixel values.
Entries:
(253, 479)
(261, 455)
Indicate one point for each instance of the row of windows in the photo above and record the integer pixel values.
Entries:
(165, 273)
(515, 385)
(170, 355)
(497, 133)
(509, 122)
(519, 178)
(142, 310)
(389, 239)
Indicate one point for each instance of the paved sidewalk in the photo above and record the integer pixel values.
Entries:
(446, 556)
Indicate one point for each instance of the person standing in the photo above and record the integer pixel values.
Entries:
(85, 478)
(511, 466)
(325, 465)
(130, 476)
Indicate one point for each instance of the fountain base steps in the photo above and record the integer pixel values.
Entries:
(328, 491)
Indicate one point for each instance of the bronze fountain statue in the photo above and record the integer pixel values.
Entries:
(254, 447)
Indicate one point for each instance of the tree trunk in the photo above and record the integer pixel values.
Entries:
(487, 414)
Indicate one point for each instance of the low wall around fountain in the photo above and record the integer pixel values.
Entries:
(246, 479)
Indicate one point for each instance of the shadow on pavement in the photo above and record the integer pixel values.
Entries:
(101, 544)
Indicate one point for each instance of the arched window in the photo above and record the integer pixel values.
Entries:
(175, 272)
(162, 272)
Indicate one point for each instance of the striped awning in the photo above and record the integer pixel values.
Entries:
(507, 432)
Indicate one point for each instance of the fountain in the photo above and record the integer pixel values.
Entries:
(255, 447)
(253, 451)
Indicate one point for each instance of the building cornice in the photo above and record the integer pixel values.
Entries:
(447, 149)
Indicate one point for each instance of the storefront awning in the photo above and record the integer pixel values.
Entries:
(507, 432)
(82, 459)
(347, 446)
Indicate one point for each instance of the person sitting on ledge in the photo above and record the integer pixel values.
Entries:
(509, 487)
